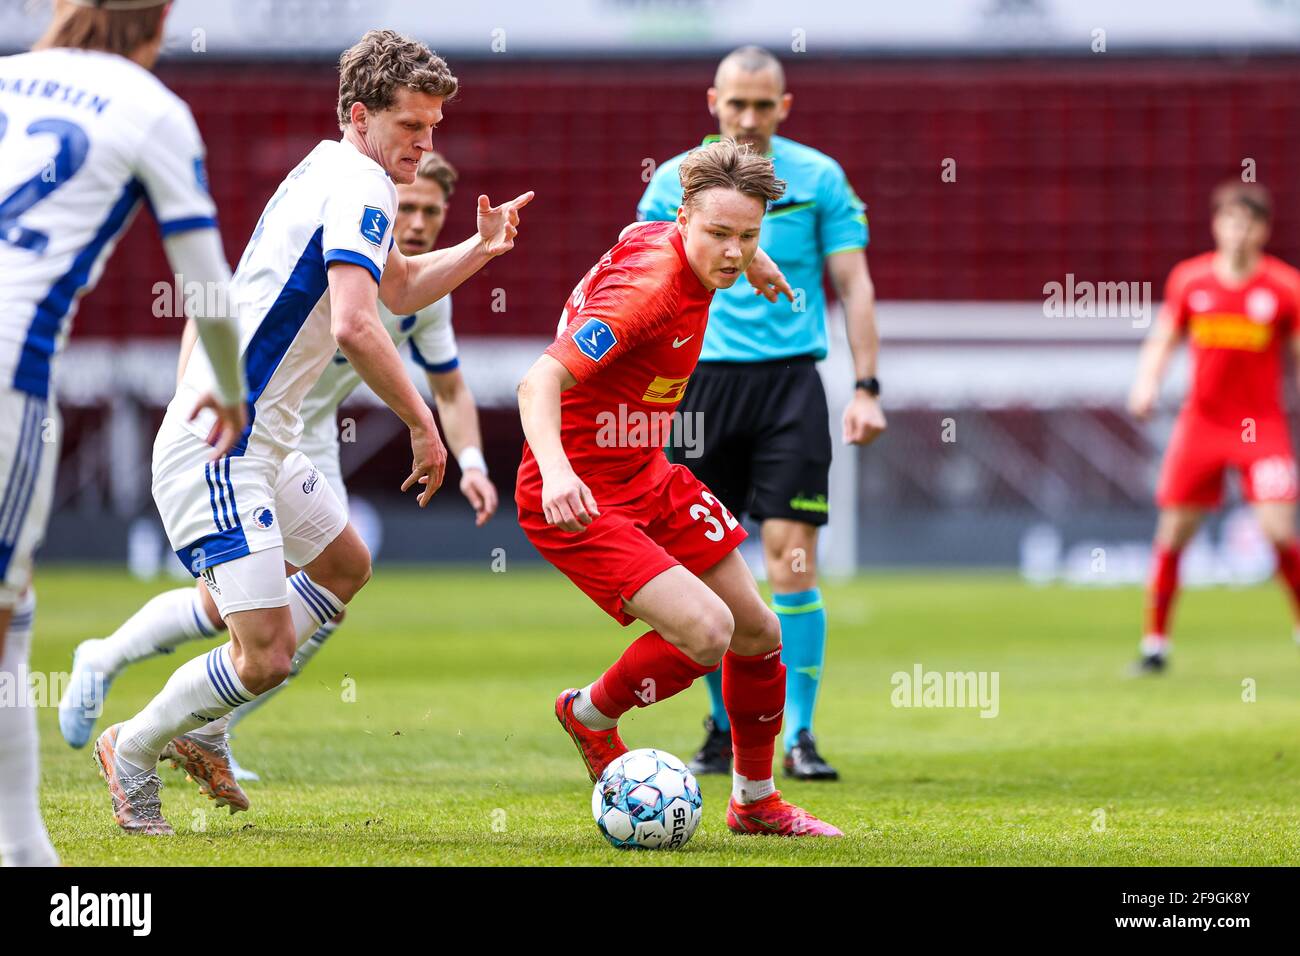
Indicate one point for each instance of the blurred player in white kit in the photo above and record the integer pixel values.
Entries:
(87, 134)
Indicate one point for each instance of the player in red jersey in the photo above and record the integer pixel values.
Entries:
(1239, 309)
(643, 538)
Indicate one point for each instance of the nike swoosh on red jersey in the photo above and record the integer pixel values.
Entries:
(679, 343)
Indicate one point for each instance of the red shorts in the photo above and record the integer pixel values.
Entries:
(1202, 449)
(676, 521)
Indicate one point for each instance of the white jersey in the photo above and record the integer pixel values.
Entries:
(336, 206)
(433, 346)
(84, 138)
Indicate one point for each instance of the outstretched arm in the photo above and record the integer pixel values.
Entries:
(411, 284)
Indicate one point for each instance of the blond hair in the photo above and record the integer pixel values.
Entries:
(112, 29)
(372, 70)
(729, 165)
(433, 165)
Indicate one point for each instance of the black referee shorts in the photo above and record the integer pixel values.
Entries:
(760, 437)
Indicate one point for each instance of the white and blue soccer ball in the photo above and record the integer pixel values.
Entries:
(647, 800)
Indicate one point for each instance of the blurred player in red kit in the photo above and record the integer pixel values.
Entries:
(643, 538)
(1239, 309)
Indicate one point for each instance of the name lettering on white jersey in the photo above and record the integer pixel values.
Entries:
(77, 158)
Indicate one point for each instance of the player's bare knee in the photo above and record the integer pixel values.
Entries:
(278, 667)
(1176, 528)
(713, 635)
(265, 669)
(358, 573)
(767, 629)
(757, 632)
(1278, 535)
(345, 572)
(364, 569)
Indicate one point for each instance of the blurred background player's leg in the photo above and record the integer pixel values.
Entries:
(30, 438)
(23, 840)
(1277, 521)
(165, 622)
(1174, 528)
(790, 550)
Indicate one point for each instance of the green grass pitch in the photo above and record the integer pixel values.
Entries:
(449, 753)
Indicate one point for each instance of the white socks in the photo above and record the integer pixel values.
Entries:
(305, 653)
(588, 715)
(165, 622)
(202, 692)
(1156, 645)
(744, 790)
(312, 606)
(23, 840)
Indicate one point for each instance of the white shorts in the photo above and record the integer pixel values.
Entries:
(326, 459)
(30, 432)
(218, 511)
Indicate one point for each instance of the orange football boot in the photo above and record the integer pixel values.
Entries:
(598, 748)
(207, 763)
(773, 816)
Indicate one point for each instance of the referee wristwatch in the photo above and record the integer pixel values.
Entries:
(869, 385)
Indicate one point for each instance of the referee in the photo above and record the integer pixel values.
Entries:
(767, 443)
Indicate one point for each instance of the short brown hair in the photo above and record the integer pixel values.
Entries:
(729, 165)
(1236, 193)
(121, 30)
(751, 59)
(371, 71)
(433, 165)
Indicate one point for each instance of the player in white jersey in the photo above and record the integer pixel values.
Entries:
(87, 134)
(307, 285)
(187, 614)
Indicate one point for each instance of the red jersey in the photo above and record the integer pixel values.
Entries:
(1236, 335)
(631, 335)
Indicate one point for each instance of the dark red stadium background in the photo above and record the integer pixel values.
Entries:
(1066, 165)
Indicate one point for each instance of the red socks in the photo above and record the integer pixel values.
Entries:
(1288, 568)
(650, 670)
(753, 690)
(1161, 588)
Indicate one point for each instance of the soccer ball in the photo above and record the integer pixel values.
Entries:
(647, 800)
